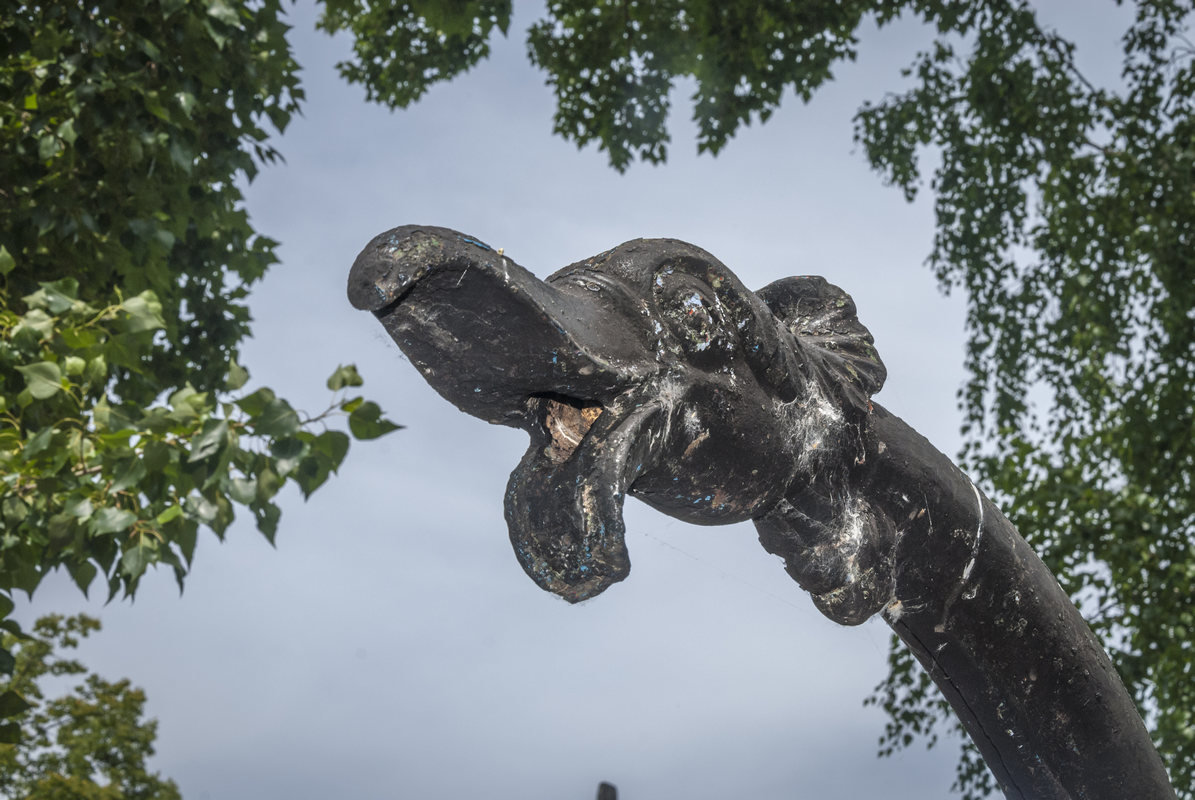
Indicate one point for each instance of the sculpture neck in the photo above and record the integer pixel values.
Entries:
(984, 616)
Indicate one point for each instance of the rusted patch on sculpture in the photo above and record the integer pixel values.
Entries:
(567, 423)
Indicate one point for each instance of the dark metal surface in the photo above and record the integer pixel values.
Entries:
(651, 370)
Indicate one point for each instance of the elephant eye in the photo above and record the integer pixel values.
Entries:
(687, 306)
(697, 316)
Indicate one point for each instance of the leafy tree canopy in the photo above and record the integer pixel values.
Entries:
(88, 744)
(126, 256)
(1065, 211)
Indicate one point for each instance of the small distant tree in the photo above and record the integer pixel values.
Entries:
(90, 743)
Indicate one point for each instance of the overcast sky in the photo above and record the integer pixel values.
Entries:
(391, 646)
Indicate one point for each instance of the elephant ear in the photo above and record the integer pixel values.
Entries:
(836, 348)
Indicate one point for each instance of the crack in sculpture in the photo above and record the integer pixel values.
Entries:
(651, 369)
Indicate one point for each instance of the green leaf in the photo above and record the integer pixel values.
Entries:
(57, 297)
(43, 379)
(202, 509)
(97, 369)
(48, 146)
(153, 104)
(186, 101)
(78, 507)
(38, 443)
(6, 605)
(313, 471)
(12, 704)
(254, 404)
(237, 376)
(74, 366)
(158, 456)
(219, 38)
(37, 325)
(15, 511)
(144, 312)
(7, 262)
(129, 474)
(287, 453)
(267, 517)
(213, 437)
(111, 520)
(242, 490)
(277, 418)
(7, 662)
(59, 528)
(117, 421)
(222, 11)
(224, 515)
(10, 733)
(344, 376)
(268, 484)
(83, 573)
(335, 445)
(66, 131)
(187, 404)
(169, 515)
(170, 557)
(136, 559)
(367, 422)
(186, 539)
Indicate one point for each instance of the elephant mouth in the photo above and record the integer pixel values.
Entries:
(566, 366)
(566, 421)
(565, 498)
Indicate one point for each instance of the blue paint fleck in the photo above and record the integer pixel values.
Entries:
(482, 245)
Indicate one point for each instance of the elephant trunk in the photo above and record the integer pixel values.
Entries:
(1010, 652)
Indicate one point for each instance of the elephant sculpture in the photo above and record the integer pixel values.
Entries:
(650, 369)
